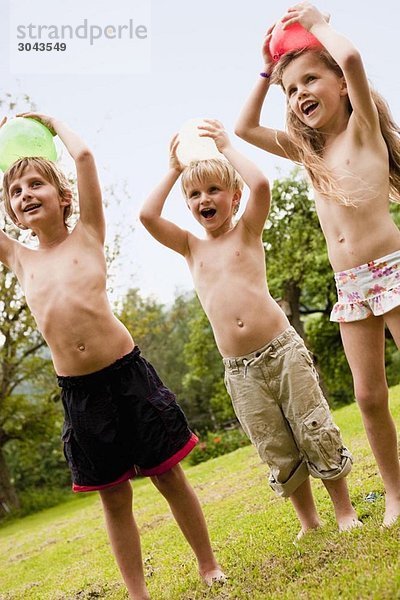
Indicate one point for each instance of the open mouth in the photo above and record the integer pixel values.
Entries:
(208, 213)
(31, 207)
(309, 107)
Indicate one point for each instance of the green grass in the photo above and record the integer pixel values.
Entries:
(63, 553)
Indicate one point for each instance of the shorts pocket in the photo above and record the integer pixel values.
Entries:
(309, 361)
(66, 437)
(321, 441)
(162, 399)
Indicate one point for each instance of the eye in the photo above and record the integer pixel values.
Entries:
(16, 192)
(36, 183)
(291, 91)
(193, 194)
(213, 189)
(311, 78)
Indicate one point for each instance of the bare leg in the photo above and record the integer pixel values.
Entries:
(304, 505)
(363, 342)
(187, 511)
(346, 516)
(124, 538)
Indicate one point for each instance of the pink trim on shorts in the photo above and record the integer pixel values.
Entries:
(158, 470)
(173, 460)
(94, 488)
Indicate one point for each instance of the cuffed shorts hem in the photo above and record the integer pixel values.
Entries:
(295, 480)
(333, 474)
(278, 401)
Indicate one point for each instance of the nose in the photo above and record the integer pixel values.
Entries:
(26, 194)
(301, 91)
(204, 198)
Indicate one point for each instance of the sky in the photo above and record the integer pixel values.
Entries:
(160, 63)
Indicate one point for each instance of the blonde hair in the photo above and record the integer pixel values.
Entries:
(49, 171)
(219, 169)
(310, 142)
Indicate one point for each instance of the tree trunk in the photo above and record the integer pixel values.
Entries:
(292, 304)
(8, 496)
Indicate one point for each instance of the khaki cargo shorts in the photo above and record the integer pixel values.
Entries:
(278, 401)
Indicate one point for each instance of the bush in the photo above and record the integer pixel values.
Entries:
(216, 444)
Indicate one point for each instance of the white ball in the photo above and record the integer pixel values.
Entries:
(192, 146)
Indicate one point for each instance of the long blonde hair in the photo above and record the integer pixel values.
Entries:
(310, 142)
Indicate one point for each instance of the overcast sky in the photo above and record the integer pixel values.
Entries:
(126, 97)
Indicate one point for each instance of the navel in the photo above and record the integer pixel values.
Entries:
(81, 347)
(341, 238)
(239, 322)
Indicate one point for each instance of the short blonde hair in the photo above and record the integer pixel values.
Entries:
(49, 171)
(219, 169)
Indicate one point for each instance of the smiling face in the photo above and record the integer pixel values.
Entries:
(212, 205)
(316, 94)
(32, 199)
(32, 184)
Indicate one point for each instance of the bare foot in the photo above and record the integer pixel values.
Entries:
(389, 520)
(213, 576)
(392, 512)
(303, 532)
(349, 523)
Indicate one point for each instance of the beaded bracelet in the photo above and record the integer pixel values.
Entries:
(265, 74)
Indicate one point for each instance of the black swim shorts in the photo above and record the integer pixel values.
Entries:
(119, 422)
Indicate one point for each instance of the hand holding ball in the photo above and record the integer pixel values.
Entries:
(192, 146)
(294, 37)
(22, 137)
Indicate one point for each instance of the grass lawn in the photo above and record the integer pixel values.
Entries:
(63, 553)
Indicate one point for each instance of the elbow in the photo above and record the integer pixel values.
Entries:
(241, 131)
(262, 187)
(84, 155)
(145, 218)
(351, 60)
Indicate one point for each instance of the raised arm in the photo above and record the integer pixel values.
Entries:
(258, 204)
(166, 232)
(89, 191)
(347, 57)
(248, 124)
(8, 251)
(8, 246)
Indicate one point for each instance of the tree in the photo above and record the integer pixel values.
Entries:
(297, 263)
(300, 275)
(204, 380)
(24, 368)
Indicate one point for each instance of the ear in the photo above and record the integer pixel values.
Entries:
(236, 197)
(66, 198)
(343, 87)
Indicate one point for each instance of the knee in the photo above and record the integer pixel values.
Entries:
(372, 401)
(117, 498)
(170, 479)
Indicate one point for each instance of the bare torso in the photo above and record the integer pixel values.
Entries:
(230, 280)
(365, 230)
(65, 288)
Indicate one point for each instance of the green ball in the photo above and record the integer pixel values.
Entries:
(21, 137)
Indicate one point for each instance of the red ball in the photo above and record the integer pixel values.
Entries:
(294, 37)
